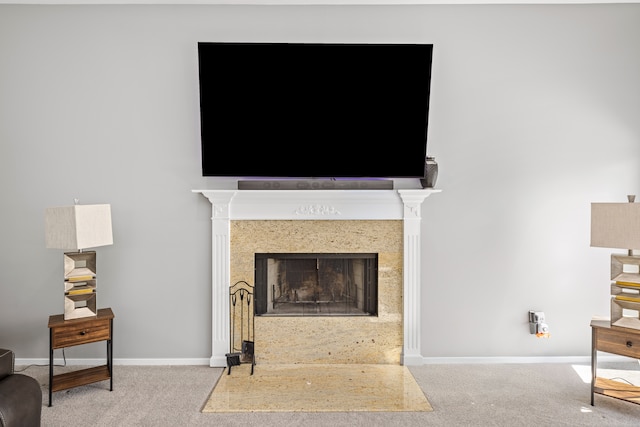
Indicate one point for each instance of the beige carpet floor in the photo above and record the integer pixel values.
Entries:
(317, 388)
(462, 395)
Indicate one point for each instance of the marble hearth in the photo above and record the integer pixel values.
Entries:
(386, 222)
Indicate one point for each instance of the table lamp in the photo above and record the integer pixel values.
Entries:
(76, 228)
(617, 225)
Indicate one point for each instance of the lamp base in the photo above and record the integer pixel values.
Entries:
(80, 285)
(625, 291)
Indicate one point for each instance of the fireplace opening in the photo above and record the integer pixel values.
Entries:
(313, 284)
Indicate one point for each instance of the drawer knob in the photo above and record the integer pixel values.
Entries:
(84, 333)
(629, 344)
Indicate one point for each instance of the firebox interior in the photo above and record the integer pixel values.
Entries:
(301, 284)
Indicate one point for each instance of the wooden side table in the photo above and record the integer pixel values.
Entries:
(67, 333)
(615, 340)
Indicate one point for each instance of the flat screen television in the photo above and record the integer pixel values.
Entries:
(314, 110)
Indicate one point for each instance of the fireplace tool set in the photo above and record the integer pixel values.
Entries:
(242, 323)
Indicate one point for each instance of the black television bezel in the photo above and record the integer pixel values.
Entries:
(251, 171)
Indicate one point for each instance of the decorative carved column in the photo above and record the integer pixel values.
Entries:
(412, 200)
(220, 274)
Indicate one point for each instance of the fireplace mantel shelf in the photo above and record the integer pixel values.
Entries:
(399, 204)
(315, 204)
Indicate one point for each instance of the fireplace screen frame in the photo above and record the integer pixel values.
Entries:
(275, 296)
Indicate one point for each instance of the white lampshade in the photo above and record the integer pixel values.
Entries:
(78, 227)
(615, 225)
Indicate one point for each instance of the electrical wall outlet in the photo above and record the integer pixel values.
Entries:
(537, 323)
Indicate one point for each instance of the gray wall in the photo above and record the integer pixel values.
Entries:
(535, 113)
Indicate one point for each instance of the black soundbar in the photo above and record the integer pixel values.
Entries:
(315, 184)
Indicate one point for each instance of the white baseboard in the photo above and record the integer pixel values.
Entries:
(122, 362)
(602, 357)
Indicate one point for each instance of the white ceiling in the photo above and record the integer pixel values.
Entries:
(314, 2)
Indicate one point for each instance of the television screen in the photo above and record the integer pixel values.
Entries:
(314, 110)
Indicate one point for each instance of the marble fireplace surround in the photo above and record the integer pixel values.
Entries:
(404, 205)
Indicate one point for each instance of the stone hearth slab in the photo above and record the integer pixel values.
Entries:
(317, 388)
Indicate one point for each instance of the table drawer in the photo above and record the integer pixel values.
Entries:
(621, 343)
(81, 333)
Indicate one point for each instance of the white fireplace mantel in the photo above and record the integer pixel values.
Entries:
(400, 204)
